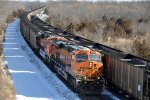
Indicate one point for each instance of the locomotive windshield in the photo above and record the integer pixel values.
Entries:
(81, 57)
(95, 57)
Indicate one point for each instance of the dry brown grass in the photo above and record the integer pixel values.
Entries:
(7, 91)
(14, 14)
(8, 7)
(113, 24)
(2, 28)
(141, 48)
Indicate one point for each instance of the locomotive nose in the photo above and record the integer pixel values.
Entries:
(96, 68)
(90, 69)
(95, 65)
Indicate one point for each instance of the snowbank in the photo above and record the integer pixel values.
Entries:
(32, 79)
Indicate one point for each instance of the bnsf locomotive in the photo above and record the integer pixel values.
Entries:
(79, 65)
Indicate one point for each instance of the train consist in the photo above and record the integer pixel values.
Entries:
(79, 65)
(84, 63)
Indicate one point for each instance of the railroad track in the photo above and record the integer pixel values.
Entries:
(126, 72)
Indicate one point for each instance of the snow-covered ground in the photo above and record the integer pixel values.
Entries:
(32, 79)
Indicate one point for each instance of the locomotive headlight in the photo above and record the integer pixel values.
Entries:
(85, 77)
(91, 64)
(98, 77)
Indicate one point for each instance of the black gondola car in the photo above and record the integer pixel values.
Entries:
(129, 73)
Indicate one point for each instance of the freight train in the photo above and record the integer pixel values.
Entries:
(128, 73)
(79, 65)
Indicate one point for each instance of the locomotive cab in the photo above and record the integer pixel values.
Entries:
(88, 70)
(88, 65)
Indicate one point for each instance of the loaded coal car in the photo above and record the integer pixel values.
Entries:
(129, 73)
(79, 65)
(29, 31)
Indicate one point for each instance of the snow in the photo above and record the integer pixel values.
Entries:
(106, 92)
(32, 79)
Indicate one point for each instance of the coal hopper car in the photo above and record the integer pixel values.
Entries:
(128, 73)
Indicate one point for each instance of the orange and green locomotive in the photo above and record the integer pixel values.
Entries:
(79, 65)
